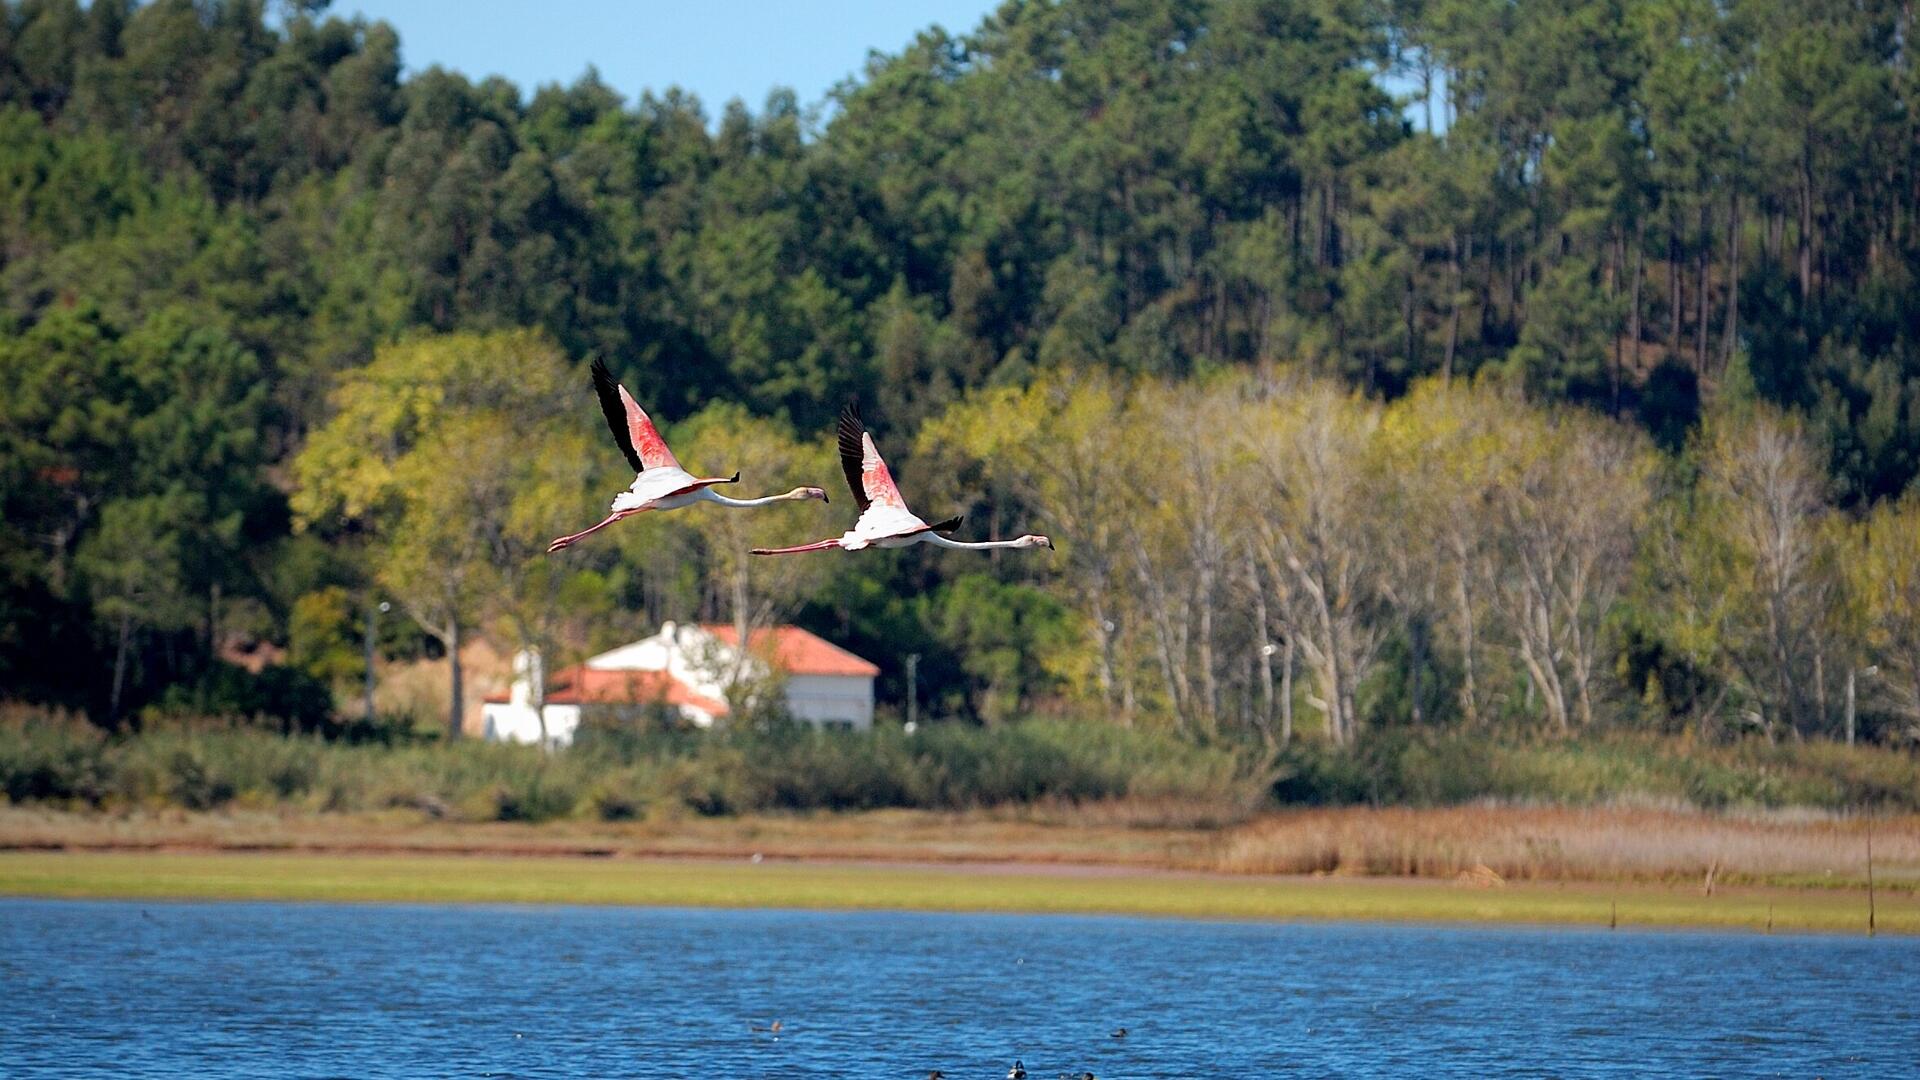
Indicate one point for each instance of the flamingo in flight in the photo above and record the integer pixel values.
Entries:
(661, 484)
(885, 520)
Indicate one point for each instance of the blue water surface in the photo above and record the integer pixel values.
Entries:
(244, 989)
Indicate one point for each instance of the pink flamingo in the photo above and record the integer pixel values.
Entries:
(885, 520)
(661, 484)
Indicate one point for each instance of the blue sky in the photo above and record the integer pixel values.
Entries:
(718, 49)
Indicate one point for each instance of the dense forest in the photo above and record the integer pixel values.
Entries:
(1578, 386)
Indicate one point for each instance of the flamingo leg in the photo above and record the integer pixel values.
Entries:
(568, 541)
(818, 545)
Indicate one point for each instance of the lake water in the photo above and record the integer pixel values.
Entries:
(224, 989)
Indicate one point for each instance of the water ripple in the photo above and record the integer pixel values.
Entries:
(319, 990)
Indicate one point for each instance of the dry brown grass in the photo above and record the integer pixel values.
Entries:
(1597, 844)
(420, 688)
(873, 836)
(1483, 845)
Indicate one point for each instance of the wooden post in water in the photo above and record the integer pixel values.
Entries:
(1613, 915)
(1869, 877)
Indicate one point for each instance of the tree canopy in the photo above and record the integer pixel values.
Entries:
(252, 275)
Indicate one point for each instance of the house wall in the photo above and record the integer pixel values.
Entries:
(520, 724)
(832, 699)
(680, 650)
(683, 652)
(647, 654)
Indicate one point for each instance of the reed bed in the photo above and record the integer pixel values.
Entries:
(1489, 844)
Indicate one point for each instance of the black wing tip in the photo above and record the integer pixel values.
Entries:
(852, 426)
(952, 524)
(607, 389)
(603, 381)
(852, 451)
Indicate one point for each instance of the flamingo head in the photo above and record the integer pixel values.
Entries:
(1031, 540)
(804, 493)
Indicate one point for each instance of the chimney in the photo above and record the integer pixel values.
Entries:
(526, 668)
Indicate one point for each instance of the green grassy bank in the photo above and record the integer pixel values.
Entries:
(462, 879)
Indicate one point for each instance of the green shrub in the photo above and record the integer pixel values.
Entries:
(534, 797)
(205, 765)
(1318, 775)
(56, 762)
(288, 695)
(1425, 768)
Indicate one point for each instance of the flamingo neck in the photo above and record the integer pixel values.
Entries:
(977, 545)
(714, 496)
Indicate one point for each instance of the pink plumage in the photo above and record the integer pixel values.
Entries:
(659, 482)
(885, 520)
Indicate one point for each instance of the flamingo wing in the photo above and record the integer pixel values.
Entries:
(883, 521)
(663, 482)
(867, 472)
(639, 440)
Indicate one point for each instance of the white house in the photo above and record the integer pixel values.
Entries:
(686, 668)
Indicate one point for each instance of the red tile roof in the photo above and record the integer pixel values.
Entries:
(580, 684)
(797, 652)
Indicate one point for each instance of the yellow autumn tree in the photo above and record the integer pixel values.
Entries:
(460, 455)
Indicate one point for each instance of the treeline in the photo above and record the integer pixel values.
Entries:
(1242, 547)
(209, 223)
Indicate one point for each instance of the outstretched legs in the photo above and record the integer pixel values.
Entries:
(819, 545)
(568, 541)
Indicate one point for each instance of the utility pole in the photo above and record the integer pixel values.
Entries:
(1870, 670)
(373, 612)
(1850, 675)
(913, 687)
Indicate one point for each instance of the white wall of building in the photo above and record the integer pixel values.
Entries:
(700, 660)
(832, 700)
(679, 650)
(696, 659)
(520, 724)
(647, 654)
(517, 721)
